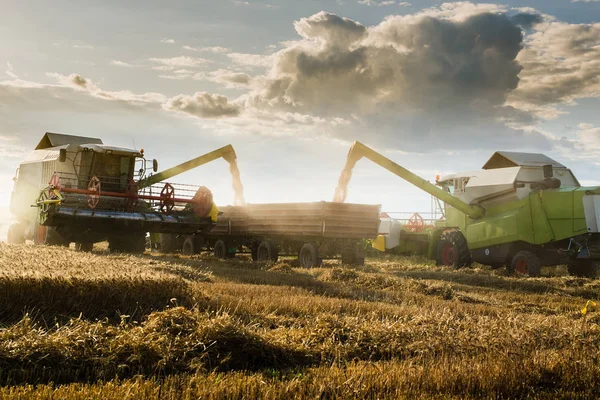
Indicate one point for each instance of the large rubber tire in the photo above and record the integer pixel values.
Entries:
(254, 251)
(583, 268)
(134, 243)
(452, 250)
(525, 263)
(84, 246)
(168, 243)
(309, 256)
(267, 251)
(16, 233)
(189, 246)
(220, 250)
(48, 236)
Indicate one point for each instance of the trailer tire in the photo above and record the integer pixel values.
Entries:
(452, 249)
(583, 268)
(16, 234)
(254, 251)
(220, 250)
(189, 247)
(84, 246)
(267, 251)
(48, 236)
(309, 256)
(168, 243)
(525, 263)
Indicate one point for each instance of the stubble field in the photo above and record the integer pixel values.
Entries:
(77, 325)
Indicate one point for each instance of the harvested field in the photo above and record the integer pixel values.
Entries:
(75, 325)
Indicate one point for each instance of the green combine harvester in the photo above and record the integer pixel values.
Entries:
(522, 211)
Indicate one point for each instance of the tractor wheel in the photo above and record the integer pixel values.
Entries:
(168, 243)
(525, 263)
(134, 243)
(220, 250)
(189, 246)
(267, 251)
(254, 251)
(47, 236)
(309, 256)
(16, 234)
(84, 246)
(452, 250)
(583, 268)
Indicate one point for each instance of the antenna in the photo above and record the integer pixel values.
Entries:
(133, 141)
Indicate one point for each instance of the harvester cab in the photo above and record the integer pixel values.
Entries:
(522, 210)
(83, 191)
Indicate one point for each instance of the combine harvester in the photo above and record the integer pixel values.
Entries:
(522, 210)
(76, 189)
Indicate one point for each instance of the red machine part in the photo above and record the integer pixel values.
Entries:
(53, 184)
(94, 189)
(415, 223)
(167, 198)
(202, 202)
(132, 191)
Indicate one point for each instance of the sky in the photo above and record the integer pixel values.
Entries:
(437, 87)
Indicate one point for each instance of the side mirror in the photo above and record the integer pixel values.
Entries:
(155, 165)
(548, 172)
(62, 155)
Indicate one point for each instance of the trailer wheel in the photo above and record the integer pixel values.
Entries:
(525, 263)
(254, 251)
(309, 256)
(168, 243)
(84, 246)
(583, 268)
(452, 250)
(267, 251)
(47, 236)
(189, 247)
(220, 250)
(16, 234)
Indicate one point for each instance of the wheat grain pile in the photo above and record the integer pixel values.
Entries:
(76, 325)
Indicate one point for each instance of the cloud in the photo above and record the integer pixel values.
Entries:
(167, 40)
(443, 75)
(80, 83)
(251, 60)
(231, 79)
(9, 71)
(561, 63)
(76, 93)
(585, 1)
(203, 105)
(209, 49)
(120, 64)
(181, 61)
(381, 3)
(83, 46)
(255, 5)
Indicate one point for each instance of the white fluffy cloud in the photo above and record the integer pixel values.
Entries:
(203, 105)
(181, 61)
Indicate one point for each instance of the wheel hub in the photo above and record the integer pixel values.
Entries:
(449, 254)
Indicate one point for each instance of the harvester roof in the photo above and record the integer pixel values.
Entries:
(507, 159)
(59, 139)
